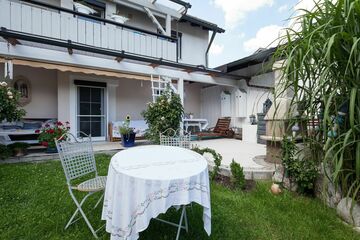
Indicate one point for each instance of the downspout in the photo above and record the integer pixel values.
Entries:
(208, 48)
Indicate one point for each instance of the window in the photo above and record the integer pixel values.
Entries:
(22, 85)
(178, 36)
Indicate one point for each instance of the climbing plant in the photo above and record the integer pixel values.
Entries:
(9, 103)
(165, 113)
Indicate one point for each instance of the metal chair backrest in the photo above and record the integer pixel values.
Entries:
(176, 138)
(77, 156)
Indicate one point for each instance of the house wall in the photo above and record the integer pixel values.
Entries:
(192, 99)
(194, 43)
(43, 83)
(211, 103)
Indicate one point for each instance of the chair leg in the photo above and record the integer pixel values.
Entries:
(99, 201)
(183, 212)
(79, 209)
(186, 220)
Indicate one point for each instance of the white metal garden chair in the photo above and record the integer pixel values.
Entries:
(175, 138)
(77, 159)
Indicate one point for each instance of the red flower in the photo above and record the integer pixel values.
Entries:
(47, 125)
(51, 131)
(45, 144)
(37, 131)
(59, 123)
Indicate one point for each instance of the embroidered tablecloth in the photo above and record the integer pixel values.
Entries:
(144, 182)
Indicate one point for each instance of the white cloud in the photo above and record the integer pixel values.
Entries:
(283, 8)
(216, 49)
(236, 10)
(241, 35)
(265, 37)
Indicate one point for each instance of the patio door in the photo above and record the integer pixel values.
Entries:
(91, 114)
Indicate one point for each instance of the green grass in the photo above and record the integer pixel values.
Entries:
(35, 204)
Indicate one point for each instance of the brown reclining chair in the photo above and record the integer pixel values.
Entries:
(222, 129)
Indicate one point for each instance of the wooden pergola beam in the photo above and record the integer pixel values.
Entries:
(119, 59)
(153, 65)
(12, 41)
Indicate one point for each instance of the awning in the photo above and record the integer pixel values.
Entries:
(65, 68)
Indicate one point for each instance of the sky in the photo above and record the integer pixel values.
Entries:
(249, 24)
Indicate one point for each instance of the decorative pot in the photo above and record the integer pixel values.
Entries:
(275, 189)
(83, 9)
(20, 152)
(51, 150)
(119, 18)
(128, 140)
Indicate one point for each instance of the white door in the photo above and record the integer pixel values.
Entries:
(91, 114)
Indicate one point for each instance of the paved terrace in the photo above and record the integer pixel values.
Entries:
(249, 155)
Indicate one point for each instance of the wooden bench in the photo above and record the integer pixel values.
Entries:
(222, 129)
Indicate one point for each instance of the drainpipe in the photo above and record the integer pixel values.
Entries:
(208, 48)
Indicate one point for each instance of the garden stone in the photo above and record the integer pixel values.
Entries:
(347, 213)
(287, 182)
(326, 190)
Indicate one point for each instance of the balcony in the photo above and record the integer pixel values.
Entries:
(49, 21)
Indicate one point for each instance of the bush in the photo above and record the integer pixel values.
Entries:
(9, 104)
(237, 175)
(5, 152)
(217, 159)
(165, 113)
(302, 171)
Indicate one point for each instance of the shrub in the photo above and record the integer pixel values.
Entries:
(217, 159)
(9, 104)
(302, 171)
(5, 152)
(237, 175)
(165, 113)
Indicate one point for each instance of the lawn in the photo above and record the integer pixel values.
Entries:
(35, 204)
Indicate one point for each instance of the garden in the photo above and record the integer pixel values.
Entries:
(35, 204)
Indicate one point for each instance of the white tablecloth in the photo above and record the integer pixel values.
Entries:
(144, 182)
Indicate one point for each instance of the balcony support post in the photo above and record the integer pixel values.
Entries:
(168, 25)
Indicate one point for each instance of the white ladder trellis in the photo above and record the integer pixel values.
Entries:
(158, 86)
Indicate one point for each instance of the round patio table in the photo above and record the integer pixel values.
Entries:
(144, 182)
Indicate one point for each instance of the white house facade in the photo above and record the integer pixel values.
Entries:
(93, 66)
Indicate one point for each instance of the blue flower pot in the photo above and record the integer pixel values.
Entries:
(51, 150)
(128, 140)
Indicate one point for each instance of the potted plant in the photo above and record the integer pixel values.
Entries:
(82, 8)
(50, 132)
(127, 133)
(19, 149)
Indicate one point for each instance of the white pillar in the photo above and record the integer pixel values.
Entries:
(181, 90)
(181, 94)
(168, 25)
(9, 70)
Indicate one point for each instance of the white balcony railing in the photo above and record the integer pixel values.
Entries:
(53, 22)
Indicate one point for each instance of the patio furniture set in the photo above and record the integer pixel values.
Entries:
(142, 183)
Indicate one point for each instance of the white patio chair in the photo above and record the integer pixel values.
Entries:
(176, 138)
(77, 159)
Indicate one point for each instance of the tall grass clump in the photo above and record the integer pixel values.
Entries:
(321, 68)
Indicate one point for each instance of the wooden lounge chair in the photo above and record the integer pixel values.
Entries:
(222, 129)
